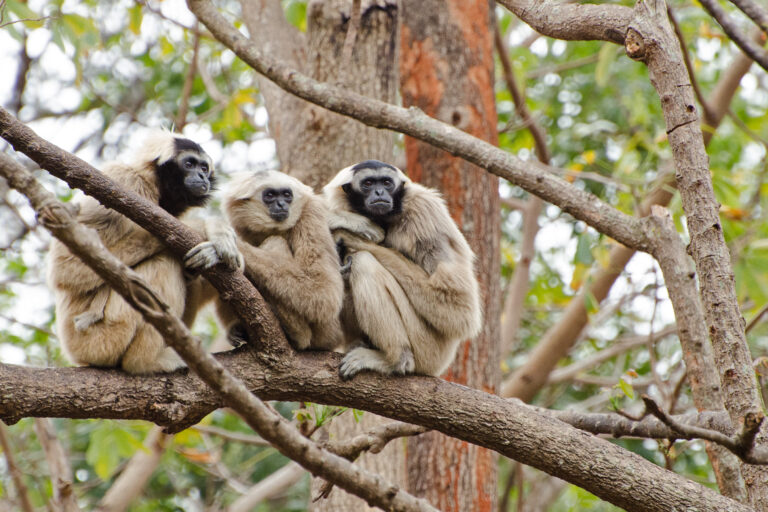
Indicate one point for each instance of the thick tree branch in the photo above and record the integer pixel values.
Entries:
(505, 426)
(532, 176)
(573, 21)
(651, 40)
(85, 244)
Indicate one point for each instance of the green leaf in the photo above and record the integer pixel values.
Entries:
(134, 19)
(626, 388)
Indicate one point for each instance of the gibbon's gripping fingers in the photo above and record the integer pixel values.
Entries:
(224, 239)
(221, 248)
(362, 358)
(357, 224)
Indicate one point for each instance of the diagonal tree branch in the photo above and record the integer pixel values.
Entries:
(755, 11)
(238, 291)
(85, 244)
(534, 177)
(737, 34)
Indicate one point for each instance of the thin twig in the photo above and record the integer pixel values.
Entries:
(16, 474)
(189, 79)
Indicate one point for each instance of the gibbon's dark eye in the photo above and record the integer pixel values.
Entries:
(188, 164)
(367, 183)
(269, 195)
(388, 183)
(204, 167)
(288, 195)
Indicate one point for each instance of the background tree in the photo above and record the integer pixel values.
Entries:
(88, 75)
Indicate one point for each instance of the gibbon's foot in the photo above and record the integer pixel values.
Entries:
(406, 364)
(237, 335)
(361, 358)
(87, 319)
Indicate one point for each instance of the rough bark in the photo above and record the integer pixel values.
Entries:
(313, 143)
(447, 71)
(650, 38)
(508, 427)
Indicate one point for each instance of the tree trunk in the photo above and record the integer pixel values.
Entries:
(447, 71)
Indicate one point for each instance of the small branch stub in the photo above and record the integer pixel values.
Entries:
(635, 45)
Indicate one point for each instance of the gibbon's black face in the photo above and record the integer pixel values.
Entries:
(376, 190)
(278, 202)
(187, 179)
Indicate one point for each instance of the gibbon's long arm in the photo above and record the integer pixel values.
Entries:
(309, 282)
(444, 298)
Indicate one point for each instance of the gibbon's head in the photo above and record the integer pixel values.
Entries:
(183, 170)
(374, 189)
(265, 201)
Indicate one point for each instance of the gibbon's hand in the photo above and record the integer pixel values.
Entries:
(353, 242)
(220, 248)
(357, 224)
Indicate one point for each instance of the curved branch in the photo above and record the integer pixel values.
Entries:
(534, 177)
(573, 21)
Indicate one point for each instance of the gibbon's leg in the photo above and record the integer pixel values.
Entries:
(384, 315)
(103, 343)
(148, 352)
(446, 299)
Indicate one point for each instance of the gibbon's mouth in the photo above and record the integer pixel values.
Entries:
(199, 189)
(280, 216)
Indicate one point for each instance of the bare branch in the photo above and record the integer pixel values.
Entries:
(372, 441)
(532, 176)
(16, 474)
(737, 34)
(273, 485)
(573, 21)
(755, 11)
(181, 117)
(742, 444)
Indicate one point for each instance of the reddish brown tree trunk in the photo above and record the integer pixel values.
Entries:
(447, 71)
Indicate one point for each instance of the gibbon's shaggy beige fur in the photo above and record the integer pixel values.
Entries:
(414, 296)
(293, 262)
(95, 325)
